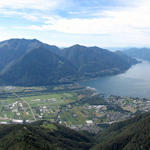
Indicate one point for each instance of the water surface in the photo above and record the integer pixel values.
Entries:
(134, 82)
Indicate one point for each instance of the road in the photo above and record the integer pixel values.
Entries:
(27, 104)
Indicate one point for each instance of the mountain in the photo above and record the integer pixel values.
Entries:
(42, 135)
(126, 58)
(141, 53)
(12, 49)
(95, 61)
(38, 67)
(33, 63)
(133, 134)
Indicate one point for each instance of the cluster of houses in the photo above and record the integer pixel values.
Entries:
(16, 107)
(139, 104)
(97, 107)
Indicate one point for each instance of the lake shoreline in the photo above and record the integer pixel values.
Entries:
(134, 82)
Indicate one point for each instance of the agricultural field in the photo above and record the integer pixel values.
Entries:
(71, 105)
(34, 103)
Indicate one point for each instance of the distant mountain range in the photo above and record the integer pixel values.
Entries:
(140, 53)
(32, 63)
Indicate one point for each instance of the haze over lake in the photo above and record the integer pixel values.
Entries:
(135, 82)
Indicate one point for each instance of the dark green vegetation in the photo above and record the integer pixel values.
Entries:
(133, 134)
(32, 63)
(42, 135)
(95, 61)
(141, 53)
(38, 67)
(12, 49)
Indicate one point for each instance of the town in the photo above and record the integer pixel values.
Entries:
(77, 107)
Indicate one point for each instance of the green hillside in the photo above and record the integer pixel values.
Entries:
(95, 61)
(12, 49)
(42, 135)
(38, 67)
(133, 134)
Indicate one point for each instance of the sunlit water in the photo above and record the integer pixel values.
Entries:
(135, 82)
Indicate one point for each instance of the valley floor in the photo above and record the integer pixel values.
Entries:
(80, 108)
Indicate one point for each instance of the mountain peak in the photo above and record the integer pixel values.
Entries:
(78, 46)
(20, 40)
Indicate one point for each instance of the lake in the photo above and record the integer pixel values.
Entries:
(134, 82)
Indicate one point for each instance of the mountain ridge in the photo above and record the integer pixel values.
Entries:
(130, 134)
(76, 63)
(15, 48)
(95, 59)
(42, 135)
(140, 53)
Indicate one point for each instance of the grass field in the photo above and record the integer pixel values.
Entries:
(20, 102)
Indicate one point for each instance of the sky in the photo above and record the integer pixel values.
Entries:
(103, 23)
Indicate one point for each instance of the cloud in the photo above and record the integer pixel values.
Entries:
(120, 21)
(114, 21)
(30, 4)
(9, 13)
